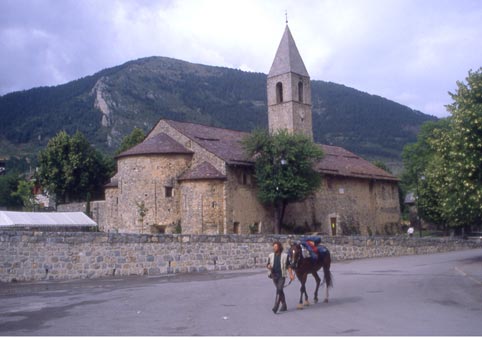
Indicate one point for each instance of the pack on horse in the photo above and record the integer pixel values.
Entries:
(304, 265)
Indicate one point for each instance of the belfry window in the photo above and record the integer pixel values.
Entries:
(300, 92)
(279, 93)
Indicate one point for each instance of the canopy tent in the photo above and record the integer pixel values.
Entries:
(15, 219)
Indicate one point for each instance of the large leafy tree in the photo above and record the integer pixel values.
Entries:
(460, 150)
(283, 168)
(24, 192)
(9, 185)
(421, 166)
(417, 156)
(70, 167)
(445, 165)
(135, 137)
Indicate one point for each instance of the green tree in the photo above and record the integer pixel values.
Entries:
(430, 194)
(421, 164)
(69, 167)
(283, 168)
(9, 185)
(445, 165)
(417, 156)
(460, 151)
(25, 193)
(382, 165)
(142, 212)
(132, 139)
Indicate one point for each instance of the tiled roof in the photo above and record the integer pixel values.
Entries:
(158, 144)
(287, 58)
(203, 171)
(226, 144)
(341, 162)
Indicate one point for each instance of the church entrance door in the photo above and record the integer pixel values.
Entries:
(333, 225)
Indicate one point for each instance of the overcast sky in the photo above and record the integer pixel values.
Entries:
(410, 51)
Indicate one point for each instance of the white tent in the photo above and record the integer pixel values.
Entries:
(15, 219)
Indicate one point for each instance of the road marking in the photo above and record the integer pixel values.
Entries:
(461, 272)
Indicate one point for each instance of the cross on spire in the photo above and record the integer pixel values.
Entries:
(286, 17)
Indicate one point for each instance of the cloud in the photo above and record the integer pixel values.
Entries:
(406, 50)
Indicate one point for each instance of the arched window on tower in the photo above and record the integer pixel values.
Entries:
(279, 92)
(300, 92)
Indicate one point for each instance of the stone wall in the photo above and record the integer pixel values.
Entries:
(243, 208)
(28, 255)
(145, 180)
(356, 205)
(202, 207)
(97, 210)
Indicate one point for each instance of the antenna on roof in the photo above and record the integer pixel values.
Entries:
(286, 16)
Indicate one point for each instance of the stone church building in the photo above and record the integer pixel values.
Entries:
(197, 179)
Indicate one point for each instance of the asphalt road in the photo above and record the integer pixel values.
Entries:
(412, 295)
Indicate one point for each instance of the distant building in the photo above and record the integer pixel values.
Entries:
(199, 179)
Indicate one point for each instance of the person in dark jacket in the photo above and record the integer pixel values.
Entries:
(279, 266)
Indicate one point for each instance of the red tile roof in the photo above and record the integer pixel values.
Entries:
(158, 144)
(203, 171)
(341, 162)
(226, 144)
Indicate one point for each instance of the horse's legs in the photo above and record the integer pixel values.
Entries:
(318, 280)
(327, 276)
(302, 290)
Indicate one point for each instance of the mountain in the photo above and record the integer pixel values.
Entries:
(109, 104)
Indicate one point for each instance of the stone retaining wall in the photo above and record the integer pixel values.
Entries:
(97, 210)
(31, 255)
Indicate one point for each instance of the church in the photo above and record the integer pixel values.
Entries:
(197, 179)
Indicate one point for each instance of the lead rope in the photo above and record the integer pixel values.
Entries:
(288, 284)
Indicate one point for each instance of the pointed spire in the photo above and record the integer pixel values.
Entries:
(287, 58)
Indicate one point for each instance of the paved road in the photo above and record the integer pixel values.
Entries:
(412, 295)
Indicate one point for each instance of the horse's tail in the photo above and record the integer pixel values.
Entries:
(328, 278)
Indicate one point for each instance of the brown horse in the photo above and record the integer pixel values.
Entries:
(304, 266)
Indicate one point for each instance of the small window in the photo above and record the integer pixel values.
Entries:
(168, 191)
(236, 228)
(279, 92)
(300, 92)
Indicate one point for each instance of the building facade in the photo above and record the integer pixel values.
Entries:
(197, 179)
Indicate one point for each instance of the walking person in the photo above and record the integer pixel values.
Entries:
(279, 266)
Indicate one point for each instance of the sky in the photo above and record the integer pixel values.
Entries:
(409, 51)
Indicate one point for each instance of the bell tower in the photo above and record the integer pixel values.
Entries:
(289, 90)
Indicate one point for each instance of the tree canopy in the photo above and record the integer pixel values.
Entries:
(283, 168)
(445, 165)
(24, 192)
(132, 139)
(8, 185)
(70, 167)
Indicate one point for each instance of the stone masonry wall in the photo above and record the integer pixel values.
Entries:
(28, 255)
(360, 207)
(97, 210)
